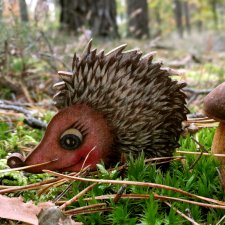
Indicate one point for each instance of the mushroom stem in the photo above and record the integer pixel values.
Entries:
(218, 145)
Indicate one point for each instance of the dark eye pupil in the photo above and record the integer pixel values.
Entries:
(70, 141)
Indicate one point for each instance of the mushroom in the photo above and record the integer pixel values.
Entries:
(214, 107)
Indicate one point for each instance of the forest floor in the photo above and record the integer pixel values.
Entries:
(29, 62)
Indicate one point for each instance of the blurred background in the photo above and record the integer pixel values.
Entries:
(39, 37)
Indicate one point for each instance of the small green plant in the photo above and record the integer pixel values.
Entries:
(202, 180)
(215, 70)
(151, 211)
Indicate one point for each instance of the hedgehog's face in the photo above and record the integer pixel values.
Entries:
(76, 137)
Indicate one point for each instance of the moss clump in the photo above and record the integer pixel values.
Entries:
(13, 178)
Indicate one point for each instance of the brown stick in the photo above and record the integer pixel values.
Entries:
(76, 197)
(84, 208)
(199, 153)
(137, 183)
(182, 214)
(156, 196)
(33, 122)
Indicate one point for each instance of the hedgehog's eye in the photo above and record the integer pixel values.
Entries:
(71, 139)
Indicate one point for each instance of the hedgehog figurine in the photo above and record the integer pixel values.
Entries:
(113, 103)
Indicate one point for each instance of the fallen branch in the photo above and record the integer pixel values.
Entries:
(29, 119)
(197, 91)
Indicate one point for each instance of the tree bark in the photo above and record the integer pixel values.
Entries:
(1, 9)
(137, 13)
(214, 11)
(23, 11)
(187, 16)
(158, 20)
(98, 15)
(178, 16)
(199, 22)
(73, 14)
(103, 18)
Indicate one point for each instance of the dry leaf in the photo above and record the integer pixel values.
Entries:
(16, 209)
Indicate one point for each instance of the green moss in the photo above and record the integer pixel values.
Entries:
(202, 179)
(11, 178)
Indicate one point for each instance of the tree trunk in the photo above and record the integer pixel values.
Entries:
(187, 16)
(214, 11)
(137, 13)
(1, 9)
(199, 21)
(103, 18)
(98, 15)
(159, 21)
(23, 11)
(73, 14)
(178, 16)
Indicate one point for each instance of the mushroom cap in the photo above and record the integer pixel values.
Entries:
(214, 103)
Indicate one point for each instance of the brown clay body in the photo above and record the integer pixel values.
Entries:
(119, 102)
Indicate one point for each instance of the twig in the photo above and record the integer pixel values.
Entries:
(182, 214)
(202, 149)
(15, 108)
(201, 121)
(188, 213)
(156, 196)
(92, 211)
(46, 55)
(45, 183)
(120, 193)
(196, 115)
(84, 208)
(62, 193)
(26, 93)
(137, 183)
(27, 167)
(197, 91)
(76, 197)
(219, 223)
(6, 102)
(167, 159)
(199, 153)
(29, 186)
(33, 122)
(60, 182)
(87, 156)
(47, 41)
(163, 160)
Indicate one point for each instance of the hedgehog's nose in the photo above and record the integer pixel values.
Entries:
(15, 160)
